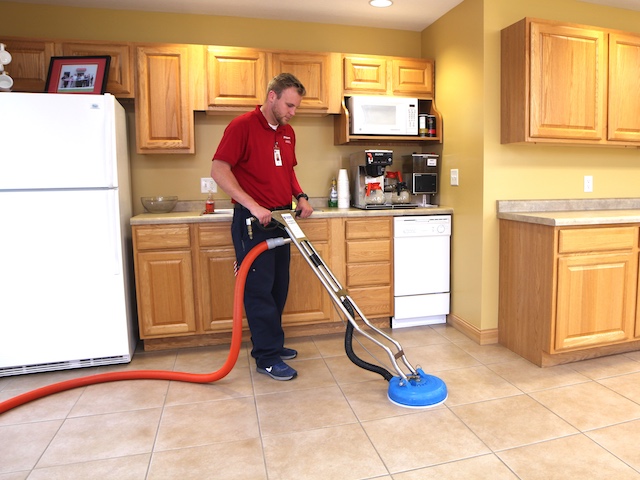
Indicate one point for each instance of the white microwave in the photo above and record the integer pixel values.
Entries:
(382, 115)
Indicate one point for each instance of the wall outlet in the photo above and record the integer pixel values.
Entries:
(454, 177)
(208, 185)
(588, 183)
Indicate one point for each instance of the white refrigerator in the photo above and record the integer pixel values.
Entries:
(66, 287)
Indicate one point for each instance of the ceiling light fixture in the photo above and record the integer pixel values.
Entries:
(380, 3)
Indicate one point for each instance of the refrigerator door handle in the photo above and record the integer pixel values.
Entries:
(116, 234)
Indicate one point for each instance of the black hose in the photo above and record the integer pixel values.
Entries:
(348, 346)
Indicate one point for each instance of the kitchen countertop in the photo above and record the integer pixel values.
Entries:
(562, 213)
(225, 214)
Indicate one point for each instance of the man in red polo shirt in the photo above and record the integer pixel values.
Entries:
(254, 164)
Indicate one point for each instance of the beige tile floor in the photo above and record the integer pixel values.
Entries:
(504, 419)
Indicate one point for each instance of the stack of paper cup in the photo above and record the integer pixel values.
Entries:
(343, 188)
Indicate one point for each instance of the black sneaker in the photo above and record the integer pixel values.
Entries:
(288, 354)
(279, 371)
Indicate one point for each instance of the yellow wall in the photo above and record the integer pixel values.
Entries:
(465, 44)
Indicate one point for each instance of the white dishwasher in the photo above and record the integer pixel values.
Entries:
(421, 270)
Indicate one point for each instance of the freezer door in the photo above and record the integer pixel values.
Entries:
(57, 141)
(62, 293)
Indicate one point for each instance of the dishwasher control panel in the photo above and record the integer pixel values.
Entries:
(421, 225)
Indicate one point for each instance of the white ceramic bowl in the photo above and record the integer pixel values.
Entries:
(159, 204)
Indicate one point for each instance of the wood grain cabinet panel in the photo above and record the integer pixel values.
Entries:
(316, 71)
(369, 264)
(30, 63)
(164, 116)
(365, 74)
(624, 87)
(120, 78)
(569, 84)
(412, 77)
(567, 293)
(236, 77)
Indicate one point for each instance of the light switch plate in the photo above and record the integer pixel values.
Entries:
(588, 183)
(454, 176)
(208, 185)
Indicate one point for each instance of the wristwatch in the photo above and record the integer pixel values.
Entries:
(302, 195)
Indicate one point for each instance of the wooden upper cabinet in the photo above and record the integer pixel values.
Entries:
(164, 114)
(371, 74)
(365, 74)
(624, 87)
(316, 72)
(412, 77)
(120, 78)
(236, 77)
(568, 82)
(30, 63)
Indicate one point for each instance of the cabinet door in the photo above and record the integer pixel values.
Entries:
(307, 302)
(364, 74)
(164, 282)
(236, 77)
(217, 280)
(164, 119)
(568, 82)
(315, 71)
(412, 77)
(624, 87)
(595, 300)
(30, 63)
(217, 285)
(120, 78)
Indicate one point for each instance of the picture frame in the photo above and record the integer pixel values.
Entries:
(87, 74)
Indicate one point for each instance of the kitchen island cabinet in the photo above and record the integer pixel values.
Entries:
(568, 284)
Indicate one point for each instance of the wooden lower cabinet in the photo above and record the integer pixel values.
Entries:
(185, 281)
(567, 293)
(164, 280)
(369, 265)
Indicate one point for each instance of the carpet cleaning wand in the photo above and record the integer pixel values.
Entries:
(414, 389)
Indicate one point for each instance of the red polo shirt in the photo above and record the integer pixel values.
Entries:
(249, 145)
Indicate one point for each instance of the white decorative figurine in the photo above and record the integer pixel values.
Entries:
(6, 82)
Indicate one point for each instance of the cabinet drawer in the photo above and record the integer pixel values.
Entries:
(315, 230)
(369, 228)
(597, 239)
(373, 301)
(369, 274)
(215, 235)
(162, 237)
(369, 251)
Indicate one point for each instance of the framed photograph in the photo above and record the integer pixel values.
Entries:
(78, 74)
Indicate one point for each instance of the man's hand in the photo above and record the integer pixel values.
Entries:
(304, 208)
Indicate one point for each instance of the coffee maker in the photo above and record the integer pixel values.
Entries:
(422, 171)
(367, 169)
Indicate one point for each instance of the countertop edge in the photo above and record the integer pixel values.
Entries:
(225, 215)
(577, 218)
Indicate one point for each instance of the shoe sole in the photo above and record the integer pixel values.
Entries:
(282, 379)
(288, 357)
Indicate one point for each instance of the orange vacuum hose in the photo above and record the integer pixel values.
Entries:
(236, 342)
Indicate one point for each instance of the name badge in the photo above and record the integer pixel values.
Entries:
(276, 157)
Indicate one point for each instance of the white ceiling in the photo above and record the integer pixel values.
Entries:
(414, 15)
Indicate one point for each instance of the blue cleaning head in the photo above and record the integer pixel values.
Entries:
(421, 391)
